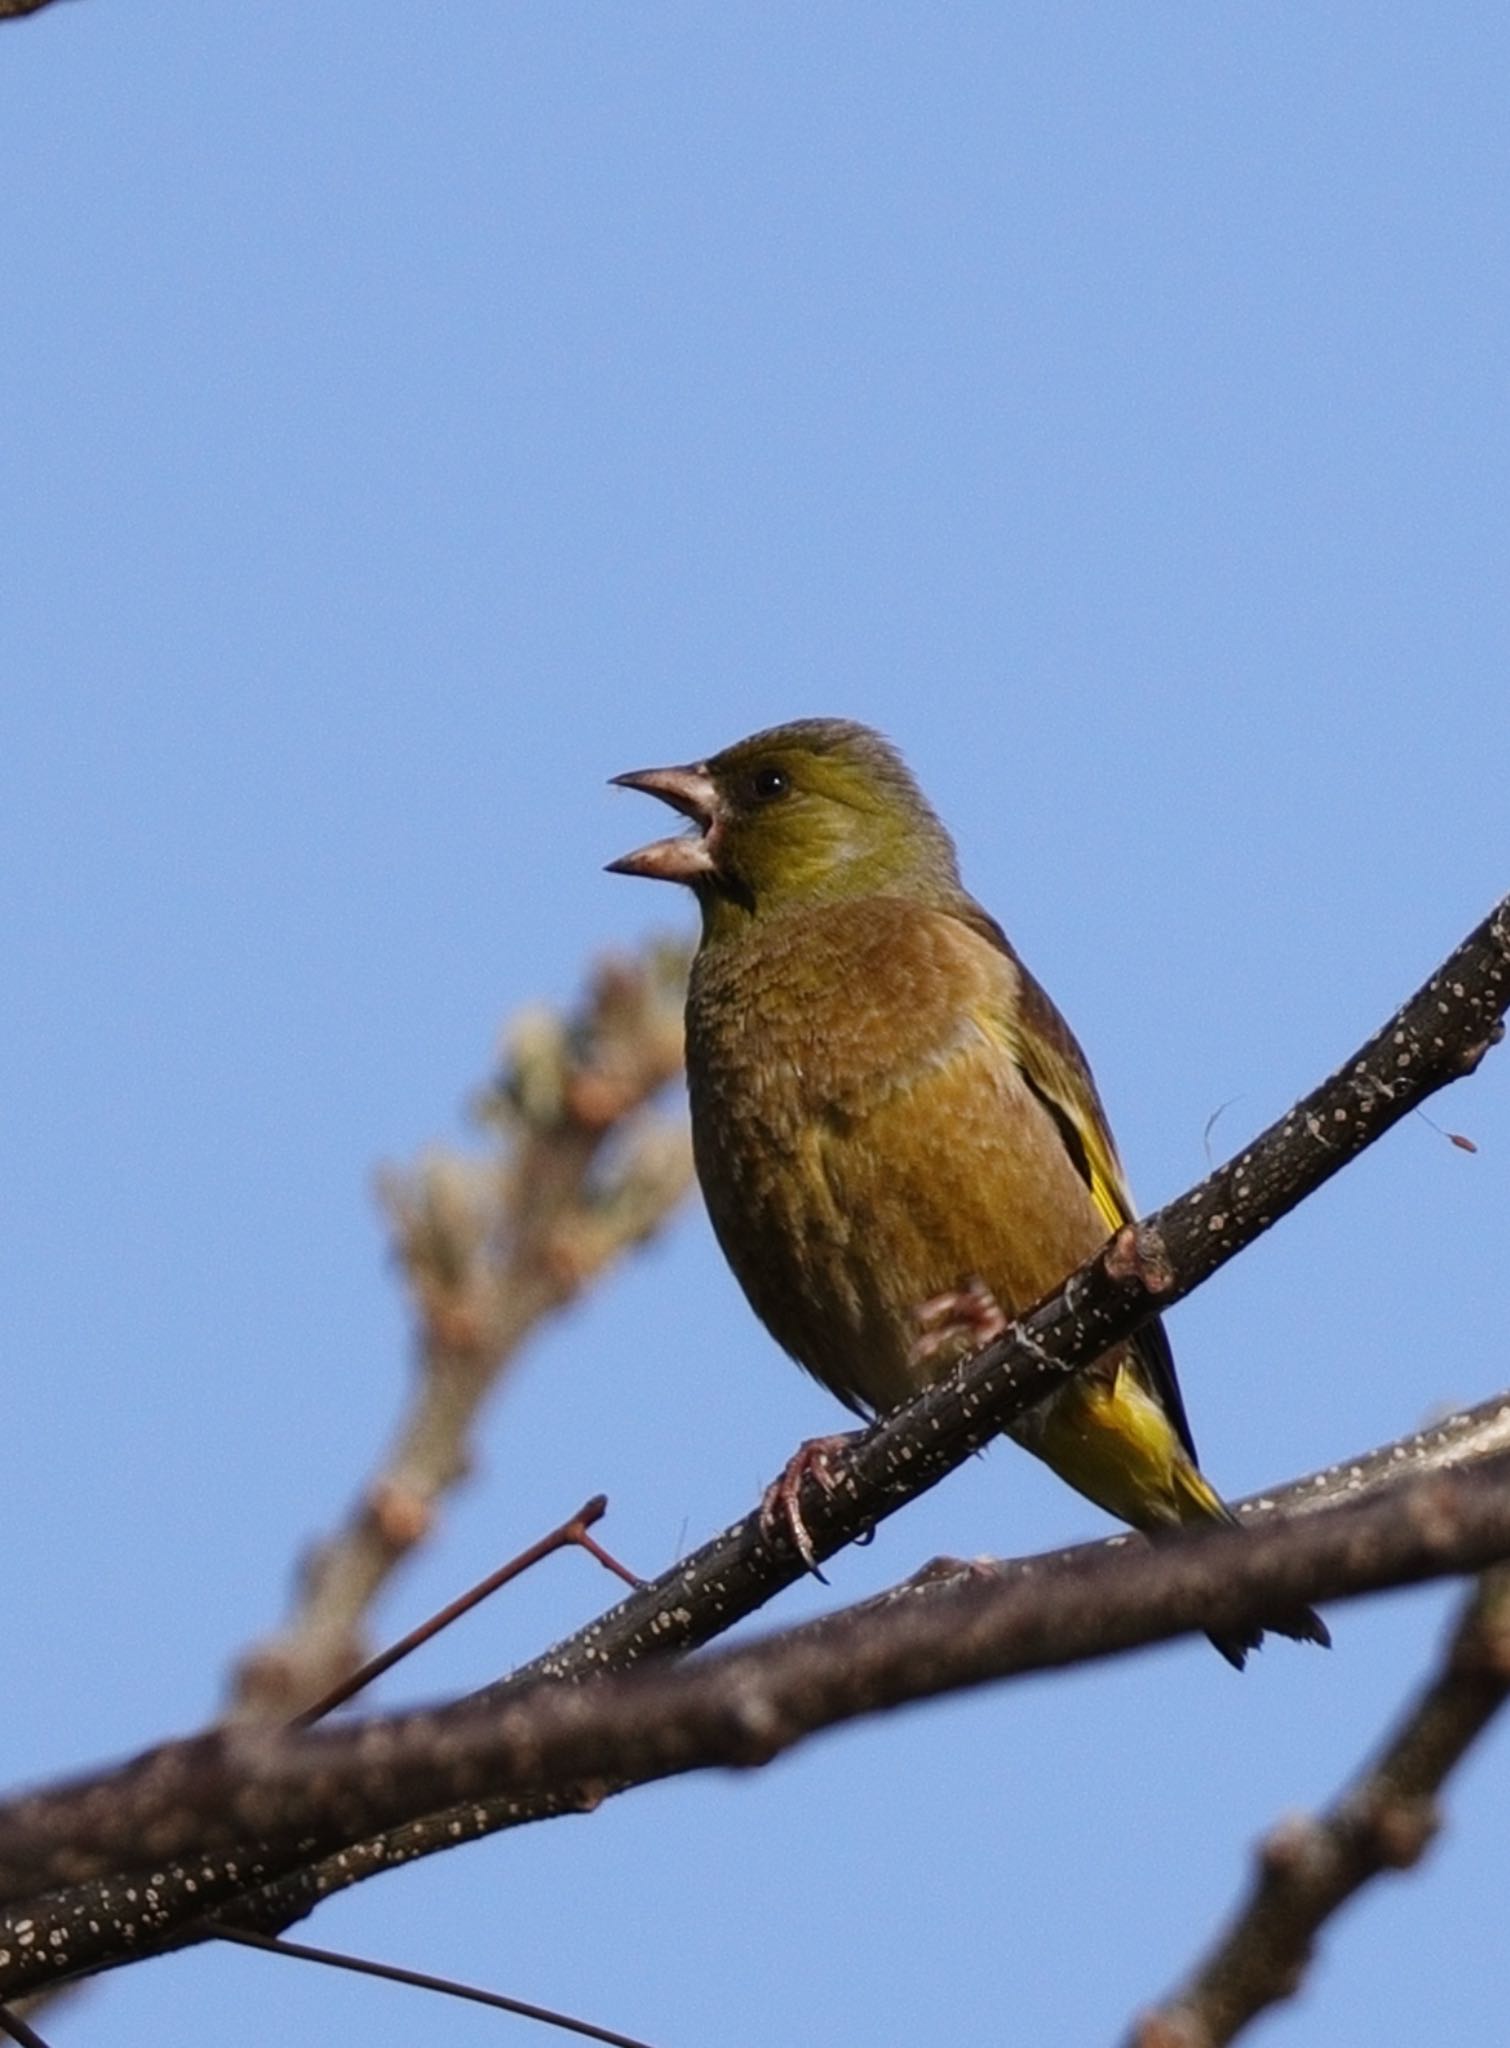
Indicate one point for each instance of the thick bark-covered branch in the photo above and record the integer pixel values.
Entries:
(1441, 1033)
(94, 1925)
(315, 1791)
(1309, 1867)
(1456, 1441)
(1469, 1437)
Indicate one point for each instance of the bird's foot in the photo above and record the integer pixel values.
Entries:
(965, 1319)
(781, 1508)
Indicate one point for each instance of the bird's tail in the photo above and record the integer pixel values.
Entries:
(1198, 1502)
(1125, 1445)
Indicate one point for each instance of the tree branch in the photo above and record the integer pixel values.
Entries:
(1452, 1443)
(627, 1635)
(1456, 1442)
(1384, 1821)
(119, 1919)
(303, 1792)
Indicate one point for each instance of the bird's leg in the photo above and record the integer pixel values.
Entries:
(780, 1506)
(965, 1319)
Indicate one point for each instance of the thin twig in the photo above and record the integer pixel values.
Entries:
(570, 1534)
(1308, 1867)
(421, 1980)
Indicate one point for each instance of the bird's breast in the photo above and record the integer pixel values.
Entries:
(856, 1135)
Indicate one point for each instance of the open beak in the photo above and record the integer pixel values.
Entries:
(690, 791)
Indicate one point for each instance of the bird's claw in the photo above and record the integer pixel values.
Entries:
(966, 1318)
(781, 1507)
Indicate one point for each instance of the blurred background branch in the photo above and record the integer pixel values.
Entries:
(1309, 1866)
(580, 1168)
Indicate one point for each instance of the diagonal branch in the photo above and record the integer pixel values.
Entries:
(314, 1791)
(118, 1919)
(618, 1640)
(1309, 1867)
(1467, 1438)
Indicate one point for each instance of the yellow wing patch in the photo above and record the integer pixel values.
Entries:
(1106, 1190)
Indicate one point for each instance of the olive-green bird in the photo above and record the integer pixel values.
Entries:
(892, 1123)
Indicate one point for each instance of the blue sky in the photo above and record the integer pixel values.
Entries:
(415, 417)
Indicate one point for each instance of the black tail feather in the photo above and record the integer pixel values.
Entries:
(1304, 1625)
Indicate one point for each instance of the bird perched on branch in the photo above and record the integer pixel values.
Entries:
(897, 1136)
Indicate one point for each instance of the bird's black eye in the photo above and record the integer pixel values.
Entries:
(767, 784)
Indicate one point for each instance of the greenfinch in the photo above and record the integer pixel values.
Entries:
(897, 1136)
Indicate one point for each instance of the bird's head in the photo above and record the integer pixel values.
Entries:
(818, 811)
